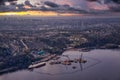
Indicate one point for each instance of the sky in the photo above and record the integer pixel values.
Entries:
(74, 6)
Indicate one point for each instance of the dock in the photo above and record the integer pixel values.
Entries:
(37, 65)
(68, 62)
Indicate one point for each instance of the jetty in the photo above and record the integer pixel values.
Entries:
(41, 64)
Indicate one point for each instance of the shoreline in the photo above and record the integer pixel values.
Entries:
(50, 57)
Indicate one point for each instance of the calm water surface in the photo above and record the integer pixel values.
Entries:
(101, 65)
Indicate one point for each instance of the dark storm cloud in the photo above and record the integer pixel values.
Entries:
(2, 2)
(51, 4)
(28, 3)
(115, 6)
(3, 6)
(116, 1)
(63, 5)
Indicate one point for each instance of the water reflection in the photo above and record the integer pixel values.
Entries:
(101, 65)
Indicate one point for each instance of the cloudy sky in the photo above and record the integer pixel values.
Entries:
(61, 5)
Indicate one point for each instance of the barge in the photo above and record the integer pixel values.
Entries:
(41, 64)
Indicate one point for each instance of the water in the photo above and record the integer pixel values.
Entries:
(101, 65)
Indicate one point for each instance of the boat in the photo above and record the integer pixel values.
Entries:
(74, 67)
(41, 64)
(66, 62)
(81, 60)
(56, 62)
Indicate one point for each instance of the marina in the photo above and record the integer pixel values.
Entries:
(98, 62)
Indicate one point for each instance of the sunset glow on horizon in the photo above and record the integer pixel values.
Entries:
(38, 13)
